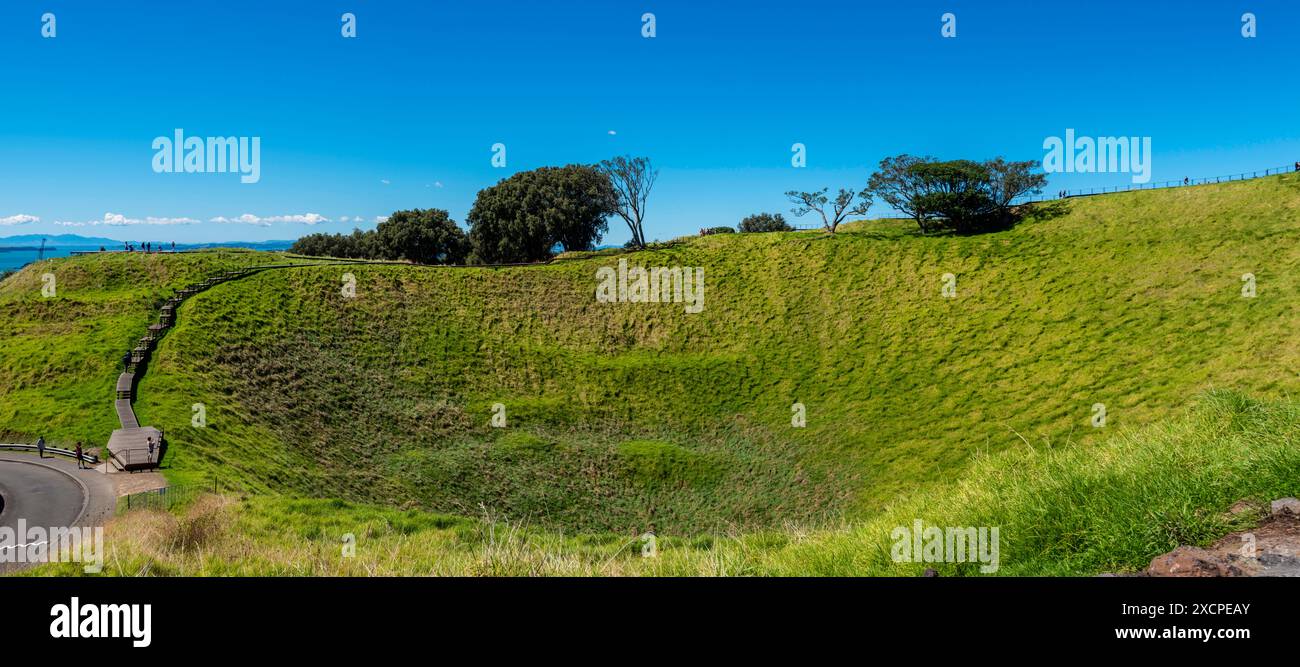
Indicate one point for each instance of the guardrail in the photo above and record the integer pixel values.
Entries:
(72, 454)
(130, 457)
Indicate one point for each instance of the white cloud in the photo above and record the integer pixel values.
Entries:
(119, 220)
(385, 181)
(19, 219)
(381, 218)
(250, 219)
(303, 219)
(245, 219)
(612, 133)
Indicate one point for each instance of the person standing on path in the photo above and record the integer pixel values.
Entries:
(40, 446)
(80, 464)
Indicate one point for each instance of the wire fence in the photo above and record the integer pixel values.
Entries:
(1186, 182)
(1131, 187)
(165, 498)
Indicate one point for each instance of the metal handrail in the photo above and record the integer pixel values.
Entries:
(70, 453)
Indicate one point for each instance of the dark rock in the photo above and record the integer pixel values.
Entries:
(1282, 505)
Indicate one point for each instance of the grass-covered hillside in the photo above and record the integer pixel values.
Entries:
(1104, 507)
(623, 416)
(626, 415)
(60, 356)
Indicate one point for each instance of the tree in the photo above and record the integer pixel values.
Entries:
(962, 196)
(632, 179)
(358, 244)
(897, 184)
(522, 218)
(1009, 181)
(764, 222)
(833, 212)
(423, 236)
(957, 193)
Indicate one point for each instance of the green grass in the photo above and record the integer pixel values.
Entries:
(1069, 510)
(623, 416)
(61, 356)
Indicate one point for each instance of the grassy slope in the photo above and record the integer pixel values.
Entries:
(1129, 300)
(61, 356)
(1111, 506)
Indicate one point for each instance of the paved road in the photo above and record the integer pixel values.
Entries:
(50, 493)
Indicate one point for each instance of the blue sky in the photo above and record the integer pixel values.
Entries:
(405, 114)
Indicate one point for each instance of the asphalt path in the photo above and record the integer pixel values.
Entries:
(50, 493)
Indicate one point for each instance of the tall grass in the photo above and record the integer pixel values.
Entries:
(1068, 509)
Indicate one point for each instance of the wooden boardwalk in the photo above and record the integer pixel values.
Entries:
(125, 414)
(126, 385)
(128, 447)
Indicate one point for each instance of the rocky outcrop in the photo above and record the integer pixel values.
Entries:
(1270, 550)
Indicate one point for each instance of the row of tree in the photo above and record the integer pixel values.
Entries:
(524, 218)
(532, 214)
(959, 196)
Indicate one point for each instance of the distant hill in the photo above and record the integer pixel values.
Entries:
(73, 240)
(77, 241)
(255, 245)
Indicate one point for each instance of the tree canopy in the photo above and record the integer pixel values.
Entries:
(632, 178)
(962, 196)
(522, 218)
(764, 222)
(423, 236)
(832, 211)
